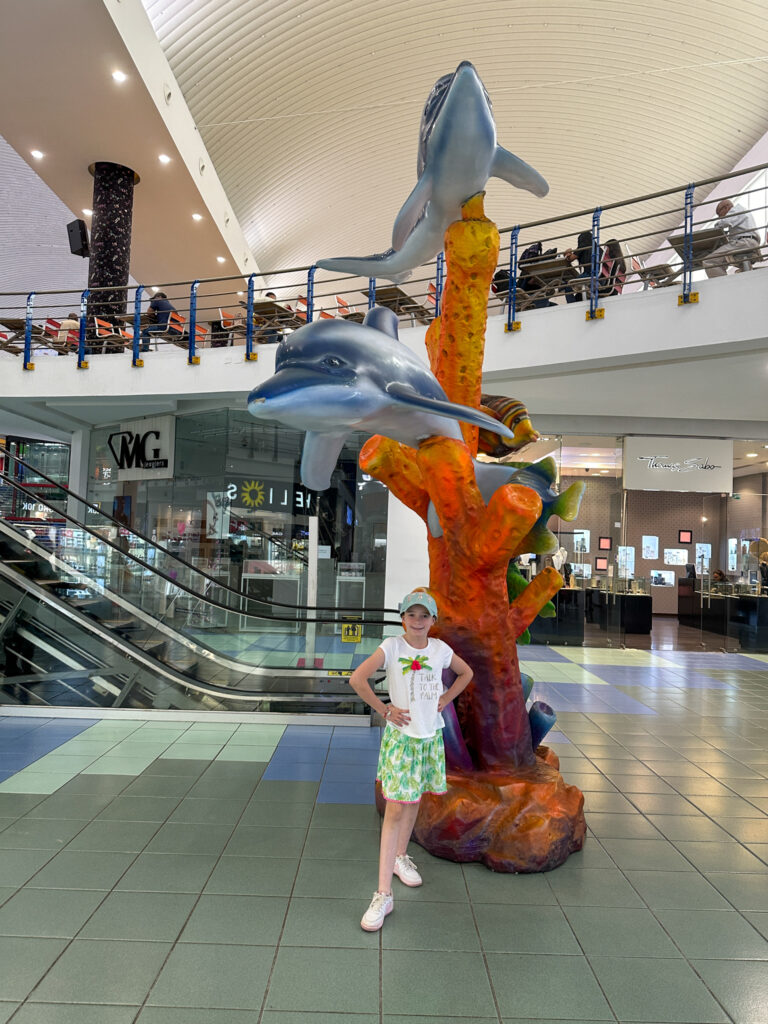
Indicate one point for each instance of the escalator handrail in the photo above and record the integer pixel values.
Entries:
(170, 554)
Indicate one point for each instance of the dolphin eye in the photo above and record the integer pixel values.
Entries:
(333, 362)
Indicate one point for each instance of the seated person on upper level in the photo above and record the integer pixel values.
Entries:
(270, 335)
(160, 309)
(527, 282)
(743, 237)
(582, 254)
(70, 323)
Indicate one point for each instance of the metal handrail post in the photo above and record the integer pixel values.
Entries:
(311, 293)
(82, 362)
(28, 364)
(512, 323)
(595, 262)
(249, 353)
(371, 292)
(439, 275)
(192, 358)
(688, 244)
(136, 359)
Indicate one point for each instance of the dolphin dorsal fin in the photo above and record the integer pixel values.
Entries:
(382, 319)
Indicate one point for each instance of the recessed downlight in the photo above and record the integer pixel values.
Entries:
(197, 216)
(164, 158)
(221, 259)
(119, 76)
(751, 455)
(87, 212)
(36, 154)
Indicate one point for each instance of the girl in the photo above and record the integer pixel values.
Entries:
(412, 758)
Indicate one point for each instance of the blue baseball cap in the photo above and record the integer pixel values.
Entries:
(419, 597)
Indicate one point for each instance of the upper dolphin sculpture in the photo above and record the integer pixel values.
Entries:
(457, 155)
(334, 376)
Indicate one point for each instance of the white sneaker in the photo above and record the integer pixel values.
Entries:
(407, 871)
(381, 905)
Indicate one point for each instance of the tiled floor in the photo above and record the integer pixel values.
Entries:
(212, 873)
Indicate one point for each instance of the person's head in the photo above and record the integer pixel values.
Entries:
(270, 295)
(72, 316)
(160, 295)
(724, 207)
(418, 612)
(718, 576)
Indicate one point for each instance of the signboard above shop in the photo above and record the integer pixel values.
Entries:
(678, 464)
(144, 449)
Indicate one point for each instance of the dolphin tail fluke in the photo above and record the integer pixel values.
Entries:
(517, 172)
(568, 503)
(319, 457)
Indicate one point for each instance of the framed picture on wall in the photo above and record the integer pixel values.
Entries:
(684, 536)
(604, 543)
(650, 547)
(601, 564)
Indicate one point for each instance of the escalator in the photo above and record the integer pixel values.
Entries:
(93, 614)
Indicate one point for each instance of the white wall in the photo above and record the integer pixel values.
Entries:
(407, 557)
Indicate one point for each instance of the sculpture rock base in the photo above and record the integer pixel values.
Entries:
(524, 820)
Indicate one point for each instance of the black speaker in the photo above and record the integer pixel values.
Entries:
(78, 238)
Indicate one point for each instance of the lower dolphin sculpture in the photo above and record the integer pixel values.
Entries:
(333, 377)
(457, 155)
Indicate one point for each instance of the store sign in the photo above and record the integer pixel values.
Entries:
(144, 449)
(678, 464)
(258, 494)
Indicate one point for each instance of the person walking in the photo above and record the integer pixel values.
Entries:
(412, 756)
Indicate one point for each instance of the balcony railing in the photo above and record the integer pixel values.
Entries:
(657, 241)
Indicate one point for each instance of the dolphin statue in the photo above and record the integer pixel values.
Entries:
(458, 153)
(334, 376)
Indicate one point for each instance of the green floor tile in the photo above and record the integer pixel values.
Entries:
(447, 983)
(182, 838)
(608, 803)
(676, 890)
(741, 986)
(650, 803)
(237, 788)
(708, 857)
(17, 866)
(175, 786)
(39, 834)
(155, 916)
(209, 811)
(508, 929)
(651, 784)
(757, 920)
(167, 872)
(280, 815)
(254, 876)
(259, 754)
(109, 765)
(23, 961)
(244, 920)
(640, 854)
(622, 826)
(346, 816)
(49, 913)
(263, 841)
(139, 808)
(244, 771)
(71, 805)
(192, 751)
(745, 892)
(170, 1015)
(487, 886)
(727, 807)
(276, 791)
(561, 987)
(746, 830)
(329, 922)
(29, 781)
(699, 829)
(187, 765)
(58, 762)
(74, 1013)
(347, 844)
(214, 976)
(114, 836)
(86, 972)
(606, 931)
(7, 1010)
(590, 888)
(714, 934)
(641, 989)
(78, 869)
(328, 980)
(99, 785)
(397, 1018)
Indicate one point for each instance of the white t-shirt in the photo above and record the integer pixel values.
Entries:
(414, 681)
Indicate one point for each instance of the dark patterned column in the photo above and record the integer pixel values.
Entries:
(110, 246)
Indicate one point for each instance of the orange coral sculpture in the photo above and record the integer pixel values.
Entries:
(509, 801)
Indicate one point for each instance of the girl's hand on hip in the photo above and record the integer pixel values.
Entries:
(398, 716)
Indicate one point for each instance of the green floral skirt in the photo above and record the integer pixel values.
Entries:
(409, 766)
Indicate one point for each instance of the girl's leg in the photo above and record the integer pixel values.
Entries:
(407, 822)
(399, 820)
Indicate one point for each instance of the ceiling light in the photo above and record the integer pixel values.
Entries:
(199, 216)
(220, 259)
(241, 293)
(605, 471)
(36, 154)
(154, 288)
(751, 455)
(119, 76)
(87, 212)
(164, 158)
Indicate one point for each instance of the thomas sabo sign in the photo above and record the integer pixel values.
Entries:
(678, 464)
